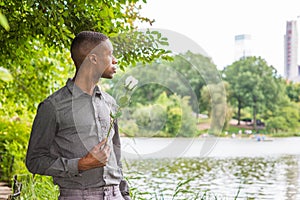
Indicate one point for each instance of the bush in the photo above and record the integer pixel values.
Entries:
(37, 187)
(150, 119)
(14, 136)
(174, 121)
(128, 127)
(167, 117)
(276, 124)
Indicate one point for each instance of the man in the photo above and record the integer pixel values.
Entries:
(69, 135)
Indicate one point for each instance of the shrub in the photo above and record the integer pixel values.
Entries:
(14, 135)
(128, 127)
(150, 119)
(174, 121)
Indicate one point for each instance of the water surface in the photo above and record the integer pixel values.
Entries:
(254, 170)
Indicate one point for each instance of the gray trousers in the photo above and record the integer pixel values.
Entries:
(111, 192)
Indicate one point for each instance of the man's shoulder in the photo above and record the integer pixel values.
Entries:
(58, 96)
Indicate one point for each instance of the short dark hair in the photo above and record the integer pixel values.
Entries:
(83, 44)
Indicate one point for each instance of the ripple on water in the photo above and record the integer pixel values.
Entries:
(256, 178)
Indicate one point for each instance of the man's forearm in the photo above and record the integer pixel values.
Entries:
(97, 157)
(59, 167)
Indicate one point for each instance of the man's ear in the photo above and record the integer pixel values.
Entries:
(92, 58)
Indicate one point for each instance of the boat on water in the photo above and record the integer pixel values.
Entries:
(262, 138)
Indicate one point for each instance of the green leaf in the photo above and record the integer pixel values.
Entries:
(5, 75)
(111, 13)
(118, 114)
(112, 115)
(164, 43)
(3, 22)
(155, 32)
(123, 101)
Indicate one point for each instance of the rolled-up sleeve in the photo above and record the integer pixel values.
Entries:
(39, 160)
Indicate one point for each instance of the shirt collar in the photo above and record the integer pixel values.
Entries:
(76, 91)
(97, 91)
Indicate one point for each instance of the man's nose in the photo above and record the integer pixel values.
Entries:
(114, 61)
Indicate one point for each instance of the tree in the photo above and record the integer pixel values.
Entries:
(34, 50)
(293, 91)
(285, 118)
(167, 116)
(217, 95)
(36, 73)
(253, 84)
(184, 75)
(56, 22)
(198, 70)
(238, 94)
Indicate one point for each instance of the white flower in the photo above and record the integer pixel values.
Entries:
(131, 82)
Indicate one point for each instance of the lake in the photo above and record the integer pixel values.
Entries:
(220, 168)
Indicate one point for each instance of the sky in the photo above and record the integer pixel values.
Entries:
(212, 24)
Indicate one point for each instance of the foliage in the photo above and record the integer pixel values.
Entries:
(179, 189)
(253, 84)
(214, 99)
(221, 101)
(128, 127)
(197, 70)
(184, 75)
(276, 124)
(3, 22)
(34, 79)
(56, 22)
(188, 119)
(37, 187)
(35, 53)
(14, 135)
(5, 76)
(286, 118)
(35, 62)
(167, 116)
(150, 119)
(293, 91)
(173, 123)
(130, 47)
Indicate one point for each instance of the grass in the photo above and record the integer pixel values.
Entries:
(36, 188)
(41, 187)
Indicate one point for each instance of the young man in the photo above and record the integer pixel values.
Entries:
(69, 135)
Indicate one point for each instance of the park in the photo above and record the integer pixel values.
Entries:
(176, 124)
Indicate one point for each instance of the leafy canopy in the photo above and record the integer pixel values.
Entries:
(56, 22)
(35, 47)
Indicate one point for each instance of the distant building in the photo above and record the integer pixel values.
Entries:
(291, 67)
(243, 46)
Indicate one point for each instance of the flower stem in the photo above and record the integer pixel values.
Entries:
(109, 130)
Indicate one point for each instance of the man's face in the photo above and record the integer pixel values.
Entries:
(106, 65)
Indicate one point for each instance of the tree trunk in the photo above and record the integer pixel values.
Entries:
(254, 114)
(239, 111)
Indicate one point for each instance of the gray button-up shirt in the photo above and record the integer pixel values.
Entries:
(68, 124)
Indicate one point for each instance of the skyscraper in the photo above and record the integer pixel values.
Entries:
(243, 46)
(291, 67)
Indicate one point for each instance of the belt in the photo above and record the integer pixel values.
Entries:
(104, 188)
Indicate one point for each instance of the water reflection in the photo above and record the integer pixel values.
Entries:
(275, 177)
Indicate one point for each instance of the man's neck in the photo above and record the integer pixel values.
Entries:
(86, 84)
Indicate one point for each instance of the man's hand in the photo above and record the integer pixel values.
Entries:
(97, 157)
